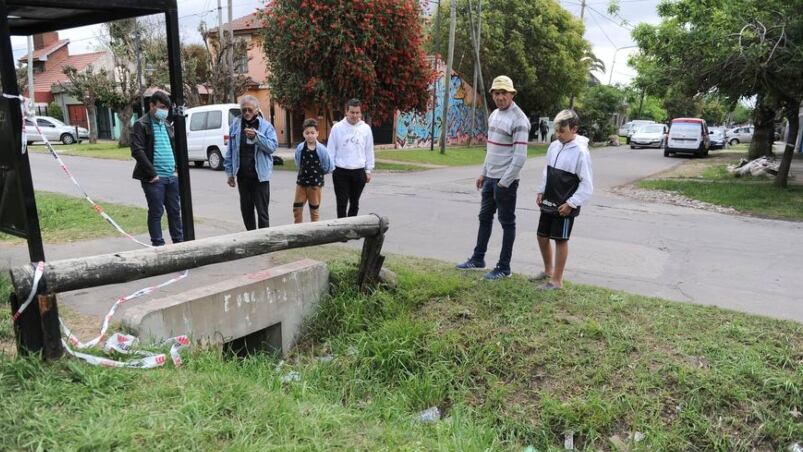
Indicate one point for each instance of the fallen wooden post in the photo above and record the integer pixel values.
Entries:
(92, 271)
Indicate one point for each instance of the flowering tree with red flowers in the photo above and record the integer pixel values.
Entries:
(326, 52)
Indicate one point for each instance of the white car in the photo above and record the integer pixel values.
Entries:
(649, 136)
(54, 130)
(208, 133)
(629, 128)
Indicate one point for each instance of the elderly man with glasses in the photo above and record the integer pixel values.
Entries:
(249, 163)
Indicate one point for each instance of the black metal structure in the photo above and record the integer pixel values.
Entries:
(18, 214)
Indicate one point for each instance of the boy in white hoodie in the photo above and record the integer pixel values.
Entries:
(351, 146)
(566, 184)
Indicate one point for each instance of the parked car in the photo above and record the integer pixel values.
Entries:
(632, 126)
(649, 136)
(740, 135)
(717, 137)
(208, 133)
(53, 129)
(688, 136)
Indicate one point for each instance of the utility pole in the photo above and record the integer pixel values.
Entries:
(435, 83)
(139, 68)
(582, 9)
(476, 65)
(30, 73)
(475, 38)
(230, 58)
(221, 57)
(448, 77)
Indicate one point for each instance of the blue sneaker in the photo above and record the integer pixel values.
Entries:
(497, 273)
(471, 265)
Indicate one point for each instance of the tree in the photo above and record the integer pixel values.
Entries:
(323, 53)
(738, 48)
(535, 42)
(596, 109)
(218, 76)
(89, 87)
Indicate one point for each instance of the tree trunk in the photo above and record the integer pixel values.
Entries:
(764, 129)
(125, 115)
(791, 113)
(92, 111)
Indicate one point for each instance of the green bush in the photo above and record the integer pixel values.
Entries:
(55, 111)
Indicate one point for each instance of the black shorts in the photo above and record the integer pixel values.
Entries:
(554, 226)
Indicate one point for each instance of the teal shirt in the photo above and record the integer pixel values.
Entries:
(163, 160)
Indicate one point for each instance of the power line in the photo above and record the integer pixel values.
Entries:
(602, 29)
(610, 20)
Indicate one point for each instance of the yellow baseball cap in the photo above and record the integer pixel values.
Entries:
(503, 82)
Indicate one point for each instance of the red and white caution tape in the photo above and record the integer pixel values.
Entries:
(118, 342)
(39, 269)
(69, 174)
(125, 343)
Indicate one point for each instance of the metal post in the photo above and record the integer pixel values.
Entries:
(447, 79)
(31, 91)
(30, 334)
(177, 93)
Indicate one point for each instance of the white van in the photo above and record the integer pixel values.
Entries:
(208, 133)
(688, 136)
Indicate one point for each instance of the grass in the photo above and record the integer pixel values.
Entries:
(508, 366)
(455, 156)
(65, 218)
(103, 150)
(754, 196)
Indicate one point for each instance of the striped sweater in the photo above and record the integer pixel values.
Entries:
(508, 131)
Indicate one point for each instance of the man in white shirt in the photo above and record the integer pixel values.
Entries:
(351, 146)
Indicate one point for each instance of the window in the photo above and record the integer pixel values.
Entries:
(214, 120)
(241, 57)
(44, 123)
(198, 121)
(29, 123)
(234, 113)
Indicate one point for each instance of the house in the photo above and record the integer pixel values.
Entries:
(411, 129)
(51, 55)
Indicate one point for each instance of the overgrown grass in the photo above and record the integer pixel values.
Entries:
(756, 196)
(67, 218)
(455, 156)
(508, 365)
(102, 150)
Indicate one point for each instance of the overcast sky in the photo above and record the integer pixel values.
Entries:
(605, 32)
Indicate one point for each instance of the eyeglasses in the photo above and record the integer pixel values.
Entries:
(249, 110)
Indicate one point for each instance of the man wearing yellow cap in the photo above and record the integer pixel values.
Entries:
(508, 130)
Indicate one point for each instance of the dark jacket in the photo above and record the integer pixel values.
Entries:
(142, 147)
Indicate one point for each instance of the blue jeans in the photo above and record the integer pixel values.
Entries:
(160, 195)
(502, 200)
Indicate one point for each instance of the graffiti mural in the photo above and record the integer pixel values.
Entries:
(414, 128)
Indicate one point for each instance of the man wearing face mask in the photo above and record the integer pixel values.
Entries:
(249, 163)
(153, 149)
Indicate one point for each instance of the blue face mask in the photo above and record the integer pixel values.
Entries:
(161, 114)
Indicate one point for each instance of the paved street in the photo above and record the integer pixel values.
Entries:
(679, 253)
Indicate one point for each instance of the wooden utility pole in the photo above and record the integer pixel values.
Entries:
(139, 67)
(582, 9)
(435, 83)
(230, 58)
(447, 79)
(221, 57)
